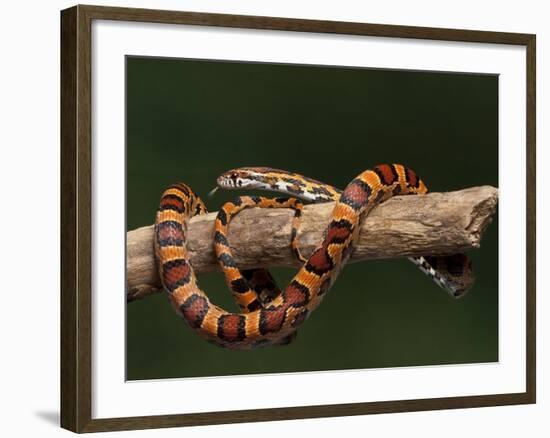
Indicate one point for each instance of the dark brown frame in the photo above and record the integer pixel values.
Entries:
(76, 335)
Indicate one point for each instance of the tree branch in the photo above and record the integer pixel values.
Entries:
(433, 224)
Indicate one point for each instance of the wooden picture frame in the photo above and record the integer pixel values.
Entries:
(76, 217)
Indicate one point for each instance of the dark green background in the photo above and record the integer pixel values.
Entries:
(190, 120)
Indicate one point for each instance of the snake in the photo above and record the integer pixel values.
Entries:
(274, 320)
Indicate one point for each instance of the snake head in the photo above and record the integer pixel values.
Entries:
(231, 179)
(246, 177)
(237, 179)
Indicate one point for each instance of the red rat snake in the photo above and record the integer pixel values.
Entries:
(275, 319)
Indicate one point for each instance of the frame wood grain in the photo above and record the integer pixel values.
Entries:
(76, 173)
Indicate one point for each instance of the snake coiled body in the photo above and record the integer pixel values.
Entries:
(453, 273)
(273, 321)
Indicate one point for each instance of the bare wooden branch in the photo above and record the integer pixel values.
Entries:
(437, 223)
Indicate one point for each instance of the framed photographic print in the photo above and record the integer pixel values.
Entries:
(236, 239)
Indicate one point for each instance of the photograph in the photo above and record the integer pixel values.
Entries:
(316, 274)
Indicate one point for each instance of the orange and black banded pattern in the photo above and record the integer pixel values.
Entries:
(453, 273)
(253, 288)
(276, 321)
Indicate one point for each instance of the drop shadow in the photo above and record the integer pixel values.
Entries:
(51, 417)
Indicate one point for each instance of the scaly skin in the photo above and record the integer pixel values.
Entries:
(453, 273)
(280, 318)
